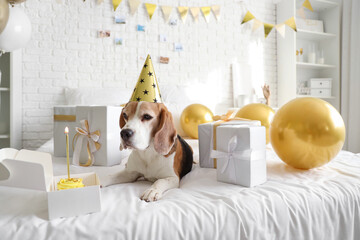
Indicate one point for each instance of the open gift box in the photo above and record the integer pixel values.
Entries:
(34, 170)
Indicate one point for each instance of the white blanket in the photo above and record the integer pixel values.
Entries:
(322, 203)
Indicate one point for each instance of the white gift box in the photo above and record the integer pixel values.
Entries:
(34, 170)
(106, 120)
(64, 116)
(310, 25)
(206, 139)
(241, 155)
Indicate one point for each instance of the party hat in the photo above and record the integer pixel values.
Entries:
(147, 87)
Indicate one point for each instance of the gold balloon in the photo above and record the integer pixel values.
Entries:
(12, 2)
(307, 133)
(192, 116)
(258, 111)
(4, 14)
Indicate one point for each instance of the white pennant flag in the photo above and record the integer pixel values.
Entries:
(281, 29)
(256, 25)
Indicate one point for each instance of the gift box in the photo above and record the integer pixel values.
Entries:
(34, 170)
(64, 116)
(97, 138)
(207, 139)
(241, 155)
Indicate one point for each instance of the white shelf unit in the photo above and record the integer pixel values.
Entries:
(292, 73)
(11, 100)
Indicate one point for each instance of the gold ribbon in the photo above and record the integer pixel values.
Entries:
(64, 118)
(92, 143)
(224, 118)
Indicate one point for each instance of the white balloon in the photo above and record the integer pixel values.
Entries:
(17, 32)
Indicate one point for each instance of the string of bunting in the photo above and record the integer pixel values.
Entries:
(268, 27)
(167, 10)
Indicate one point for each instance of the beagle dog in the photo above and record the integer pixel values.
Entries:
(158, 154)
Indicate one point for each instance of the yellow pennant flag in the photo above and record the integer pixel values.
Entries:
(281, 29)
(183, 13)
(150, 8)
(257, 23)
(307, 5)
(267, 28)
(206, 12)
(291, 23)
(166, 12)
(134, 5)
(116, 3)
(248, 17)
(216, 11)
(195, 13)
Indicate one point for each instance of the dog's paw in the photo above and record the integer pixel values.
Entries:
(151, 195)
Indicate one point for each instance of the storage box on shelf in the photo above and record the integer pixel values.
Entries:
(321, 51)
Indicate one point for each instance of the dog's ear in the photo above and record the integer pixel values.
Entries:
(122, 120)
(165, 135)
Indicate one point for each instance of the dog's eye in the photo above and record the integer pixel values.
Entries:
(147, 117)
(125, 116)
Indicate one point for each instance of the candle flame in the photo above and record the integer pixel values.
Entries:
(66, 131)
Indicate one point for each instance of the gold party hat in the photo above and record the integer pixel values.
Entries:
(147, 87)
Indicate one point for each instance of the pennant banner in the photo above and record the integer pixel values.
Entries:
(206, 12)
(291, 23)
(267, 28)
(116, 3)
(134, 5)
(256, 25)
(307, 5)
(281, 29)
(166, 12)
(216, 11)
(183, 11)
(150, 8)
(248, 17)
(195, 13)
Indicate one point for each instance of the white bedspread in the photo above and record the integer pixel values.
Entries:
(323, 203)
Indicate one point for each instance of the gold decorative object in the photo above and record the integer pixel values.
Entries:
(307, 133)
(192, 116)
(4, 14)
(150, 8)
(147, 87)
(258, 111)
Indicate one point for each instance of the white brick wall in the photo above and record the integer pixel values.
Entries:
(65, 52)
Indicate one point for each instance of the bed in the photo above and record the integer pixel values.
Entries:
(322, 203)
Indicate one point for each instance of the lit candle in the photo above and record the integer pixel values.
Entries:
(67, 150)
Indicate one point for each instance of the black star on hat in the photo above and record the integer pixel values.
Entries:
(145, 66)
(142, 80)
(153, 85)
(146, 92)
(150, 74)
(138, 99)
(155, 100)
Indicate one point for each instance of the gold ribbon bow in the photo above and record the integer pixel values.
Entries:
(229, 116)
(92, 139)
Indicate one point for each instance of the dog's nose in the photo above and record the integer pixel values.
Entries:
(126, 134)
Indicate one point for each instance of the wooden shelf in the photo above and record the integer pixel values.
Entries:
(313, 66)
(320, 5)
(4, 136)
(300, 96)
(4, 89)
(314, 36)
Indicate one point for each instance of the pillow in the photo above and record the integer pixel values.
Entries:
(97, 96)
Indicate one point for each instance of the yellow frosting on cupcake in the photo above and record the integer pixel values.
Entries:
(70, 183)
